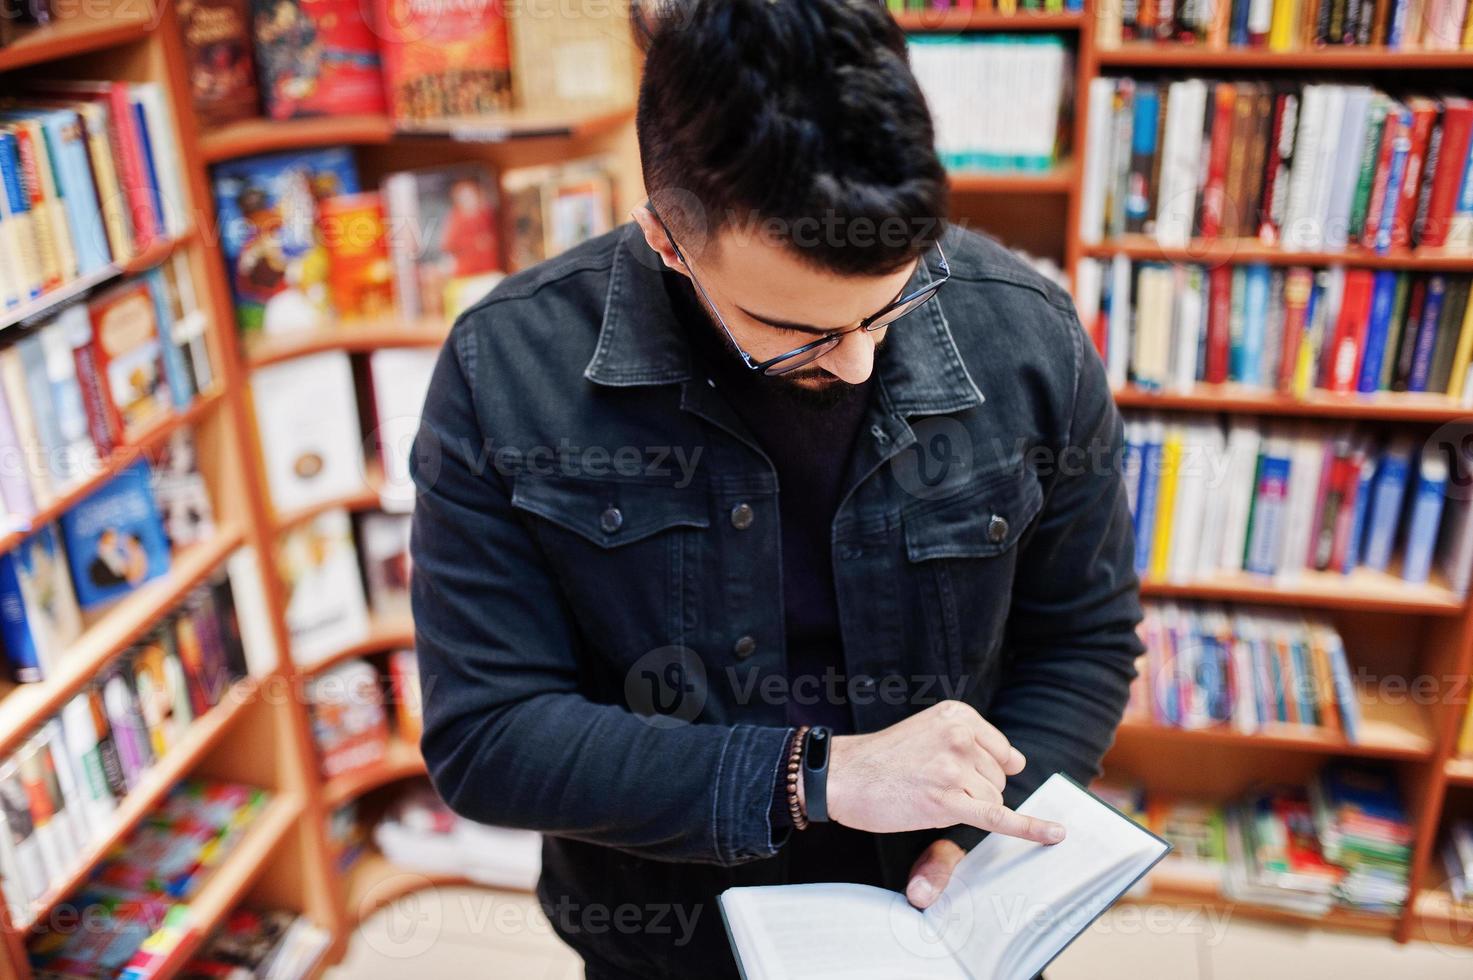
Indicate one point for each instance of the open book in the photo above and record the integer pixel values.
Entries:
(1011, 905)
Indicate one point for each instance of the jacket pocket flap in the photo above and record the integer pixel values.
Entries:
(985, 518)
(611, 513)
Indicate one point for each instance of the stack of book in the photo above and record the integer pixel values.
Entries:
(269, 945)
(306, 243)
(1278, 499)
(1275, 858)
(1290, 25)
(997, 101)
(1295, 330)
(1308, 166)
(1364, 829)
(420, 833)
(92, 175)
(1247, 669)
(137, 901)
(58, 792)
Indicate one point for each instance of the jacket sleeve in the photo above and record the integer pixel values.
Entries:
(508, 737)
(1070, 640)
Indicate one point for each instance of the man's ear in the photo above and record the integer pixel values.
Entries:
(657, 240)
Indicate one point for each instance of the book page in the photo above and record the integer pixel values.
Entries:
(1012, 905)
(853, 932)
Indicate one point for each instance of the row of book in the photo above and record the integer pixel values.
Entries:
(102, 548)
(1342, 840)
(327, 604)
(93, 378)
(261, 944)
(1001, 6)
(1293, 330)
(350, 720)
(1280, 498)
(137, 902)
(1290, 25)
(1307, 166)
(91, 176)
(417, 61)
(997, 101)
(59, 791)
(1243, 668)
(306, 242)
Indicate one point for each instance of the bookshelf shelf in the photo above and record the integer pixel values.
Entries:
(68, 37)
(375, 882)
(1438, 919)
(1394, 406)
(27, 705)
(49, 302)
(1167, 890)
(365, 499)
(1460, 772)
(1235, 251)
(355, 338)
(1197, 56)
(402, 761)
(1389, 731)
(121, 459)
(920, 21)
(1363, 589)
(384, 633)
(202, 735)
(236, 873)
(519, 125)
(1057, 180)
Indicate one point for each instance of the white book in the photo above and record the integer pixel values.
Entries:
(1260, 16)
(1097, 166)
(1010, 908)
(401, 379)
(1197, 460)
(165, 154)
(1304, 483)
(1298, 232)
(1117, 344)
(1188, 283)
(79, 732)
(1345, 166)
(1176, 202)
(1243, 444)
(1087, 283)
(326, 609)
(307, 417)
(256, 635)
(1325, 162)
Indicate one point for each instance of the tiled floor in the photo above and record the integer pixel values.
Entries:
(457, 932)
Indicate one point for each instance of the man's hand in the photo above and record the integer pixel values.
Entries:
(931, 872)
(945, 765)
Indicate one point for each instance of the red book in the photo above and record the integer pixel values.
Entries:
(1275, 174)
(444, 58)
(1381, 196)
(1345, 517)
(127, 150)
(1219, 322)
(1298, 282)
(1326, 505)
(1424, 115)
(94, 400)
(1215, 187)
(1349, 340)
(1457, 128)
(317, 57)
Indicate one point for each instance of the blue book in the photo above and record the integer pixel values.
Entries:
(1145, 522)
(181, 383)
(1238, 33)
(1387, 493)
(114, 539)
(1237, 317)
(1255, 320)
(1270, 504)
(38, 613)
(145, 144)
(1395, 174)
(1304, 686)
(67, 147)
(43, 409)
(1363, 484)
(1277, 684)
(1142, 149)
(1424, 516)
(1427, 333)
(1383, 298)
(1465, 190)
(1345, 693)
(17, 208)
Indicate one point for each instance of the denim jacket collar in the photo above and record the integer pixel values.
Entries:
(640, 342)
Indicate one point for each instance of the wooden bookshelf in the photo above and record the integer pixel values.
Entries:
(1220, 251)
(1237, 399)
(374, 882)
(1438, 919)
(1459, 772)
(384, 633)
(1058, 179)
(355, 338)
(77, 35)
(366, 498)
(1165, 890)
(1198, 57)
(986, 19)
(401, 761)
(1363, 589)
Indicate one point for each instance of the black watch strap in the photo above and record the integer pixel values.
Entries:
(816, 774)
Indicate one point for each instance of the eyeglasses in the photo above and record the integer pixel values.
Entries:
(812, 351)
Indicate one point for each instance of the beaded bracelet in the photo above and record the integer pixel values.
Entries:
(795, 773)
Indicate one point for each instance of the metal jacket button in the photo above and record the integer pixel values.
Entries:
(997, 529)
(611, 520)
(745, 647)
(742, 517)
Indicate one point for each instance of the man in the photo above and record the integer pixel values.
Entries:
(779, 453)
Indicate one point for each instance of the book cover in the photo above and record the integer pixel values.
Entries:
(129, 360)
(307, 416)
(179, 376)
(39, 617)
(222, 71)
(268, 212)
(408, 706)
(114, 539)
(325, 606)
(349, 725)
(384, 539)
(444, 58)
(1387, 494)
(179, 491)
(360, 273)
(317, 57)
(445, 230)
(1424, 515)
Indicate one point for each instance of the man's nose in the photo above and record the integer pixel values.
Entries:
(853, 359)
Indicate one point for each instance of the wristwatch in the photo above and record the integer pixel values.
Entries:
(816, 774)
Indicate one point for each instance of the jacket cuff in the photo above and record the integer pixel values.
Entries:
(750, 767)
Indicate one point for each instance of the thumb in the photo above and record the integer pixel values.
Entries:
(931, 872)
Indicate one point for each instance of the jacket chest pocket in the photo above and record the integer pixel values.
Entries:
(624, 553)
(963, 551)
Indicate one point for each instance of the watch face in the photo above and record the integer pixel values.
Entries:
(816, 754)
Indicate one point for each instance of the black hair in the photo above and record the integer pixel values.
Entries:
(801, 113)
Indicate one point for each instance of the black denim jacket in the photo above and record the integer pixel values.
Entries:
(597, 583)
